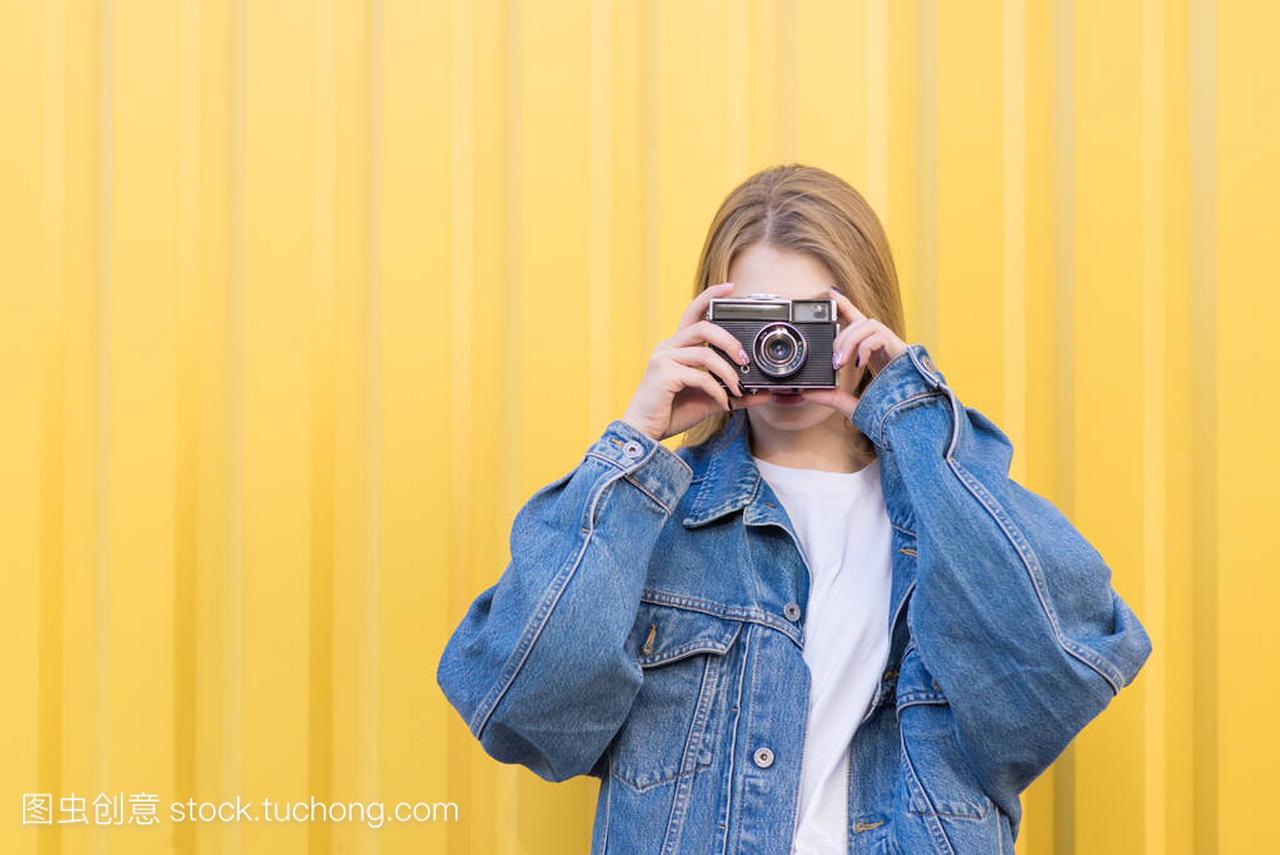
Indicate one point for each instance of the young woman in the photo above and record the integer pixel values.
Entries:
(829, 622)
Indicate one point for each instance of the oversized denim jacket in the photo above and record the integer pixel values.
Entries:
(646, 632)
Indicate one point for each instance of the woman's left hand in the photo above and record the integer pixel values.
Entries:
(864, 344)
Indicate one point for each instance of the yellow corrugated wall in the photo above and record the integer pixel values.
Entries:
(301, 300)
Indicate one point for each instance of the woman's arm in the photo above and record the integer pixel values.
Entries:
(538, 667)
(1013, 611)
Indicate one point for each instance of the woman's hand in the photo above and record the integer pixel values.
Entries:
(678, 390)
(871, 344)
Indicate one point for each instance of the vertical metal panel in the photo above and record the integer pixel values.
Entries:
(33, 378)
(1245, 128)
(302, 300)
(1110, 384)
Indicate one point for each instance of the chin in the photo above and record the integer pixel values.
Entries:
(801, 416)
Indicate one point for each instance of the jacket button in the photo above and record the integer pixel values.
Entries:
(763, 758)
(928, 363)
(632, 448)
(791, 611)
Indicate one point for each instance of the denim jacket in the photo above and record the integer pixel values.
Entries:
(649, 632)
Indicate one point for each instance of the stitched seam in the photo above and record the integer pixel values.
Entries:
(744, 536)
(909, 401)
(708, 478)
(882, 372)
(658, 446)
(539, 620)
(628, 472)
(702, 645)
(804, 737)
(733, 744)
(732, 503)
(689, 760)
(658, 597)
(607, 459)
(1031, 563)
(755, 674)
(666, 776)
(936, 831)
(643, 489)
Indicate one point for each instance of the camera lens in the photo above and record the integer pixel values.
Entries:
(779, 350)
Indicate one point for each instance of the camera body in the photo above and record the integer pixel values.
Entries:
(788, 342)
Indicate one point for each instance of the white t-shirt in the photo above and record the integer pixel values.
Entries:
(844, 532)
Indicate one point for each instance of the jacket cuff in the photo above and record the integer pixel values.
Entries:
(910, 374)
(645, 462)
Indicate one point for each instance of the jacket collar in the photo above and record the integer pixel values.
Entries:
(725, 478)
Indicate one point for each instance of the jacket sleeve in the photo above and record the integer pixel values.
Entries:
(538, 667)
(1013, 612)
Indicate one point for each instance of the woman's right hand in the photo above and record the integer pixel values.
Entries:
(678, 390)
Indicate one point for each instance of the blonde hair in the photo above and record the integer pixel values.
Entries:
(807, 209)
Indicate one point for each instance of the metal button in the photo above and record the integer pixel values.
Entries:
(763, 758)
(791, 611)
(632, 448)
(928, 363)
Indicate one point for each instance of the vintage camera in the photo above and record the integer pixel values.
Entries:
(788, 342)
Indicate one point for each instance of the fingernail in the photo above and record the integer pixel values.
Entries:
(742, 356)
(835, 359)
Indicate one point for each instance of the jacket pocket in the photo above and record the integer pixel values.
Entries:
(937, 777)
(675, 721)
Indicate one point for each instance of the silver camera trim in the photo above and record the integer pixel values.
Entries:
(767, 365)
